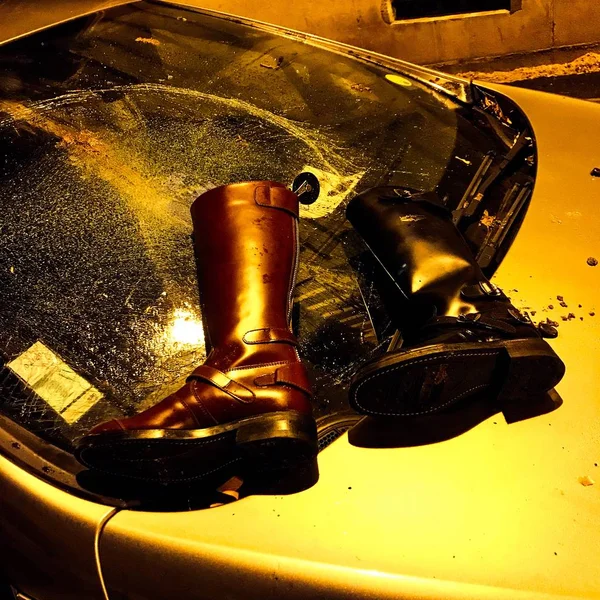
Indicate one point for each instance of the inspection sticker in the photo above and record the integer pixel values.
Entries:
(53, 380)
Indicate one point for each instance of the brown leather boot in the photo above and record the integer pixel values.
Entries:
(251, 400)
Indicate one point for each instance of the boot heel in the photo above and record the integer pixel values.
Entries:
(531, 368)
(278, 441)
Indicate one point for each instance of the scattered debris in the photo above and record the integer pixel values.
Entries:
(181, 19)
(151, 41)
(592, 261)
(586, 481)
(595, 172)
(487, 219)
(411, 218)
(551, 306)
(588, 63)
(592, 314)
(12, 269)
(551, 323)
(489, 104)
(560, 298)
(464, 160)
(533, 313)
(359, 87)
(272, 62)
(564, 304)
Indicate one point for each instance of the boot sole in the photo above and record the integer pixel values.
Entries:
(277, 441)
(433, 378)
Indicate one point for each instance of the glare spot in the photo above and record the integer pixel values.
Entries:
(185, 328)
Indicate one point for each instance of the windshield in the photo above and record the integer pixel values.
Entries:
(110, 127)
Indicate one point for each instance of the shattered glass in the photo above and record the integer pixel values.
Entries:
(111, 126)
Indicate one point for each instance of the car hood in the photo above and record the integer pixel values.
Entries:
(498, 512)
(20, 18)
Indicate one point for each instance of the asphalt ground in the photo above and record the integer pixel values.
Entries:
(573, 72)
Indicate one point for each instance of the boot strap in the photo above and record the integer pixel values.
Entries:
(277, 197)
(221, 381)
(293, 375)
(270, 335)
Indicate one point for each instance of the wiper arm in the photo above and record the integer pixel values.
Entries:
(512, 204)
(472, 188)
(478, 187)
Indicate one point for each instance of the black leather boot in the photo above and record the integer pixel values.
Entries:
(461, 333)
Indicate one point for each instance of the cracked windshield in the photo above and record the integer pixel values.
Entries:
(111, 126)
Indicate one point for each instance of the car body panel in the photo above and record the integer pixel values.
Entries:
(48, 538)
(500, 507)
(20, 18)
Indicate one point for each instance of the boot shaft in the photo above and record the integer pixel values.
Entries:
(246, 242)
(421, 250)
(437, 281)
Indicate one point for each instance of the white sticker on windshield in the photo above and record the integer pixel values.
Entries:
(53, 380)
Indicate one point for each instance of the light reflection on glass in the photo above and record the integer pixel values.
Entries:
(185, 328)
(173, 346)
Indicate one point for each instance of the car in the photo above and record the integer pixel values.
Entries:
(114, 116)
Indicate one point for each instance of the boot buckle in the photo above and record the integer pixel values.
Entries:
(469, 318)
(293, 375)
(489, 289)
(482, 289)
(518, 316)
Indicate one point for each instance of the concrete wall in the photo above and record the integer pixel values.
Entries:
(540, 24)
